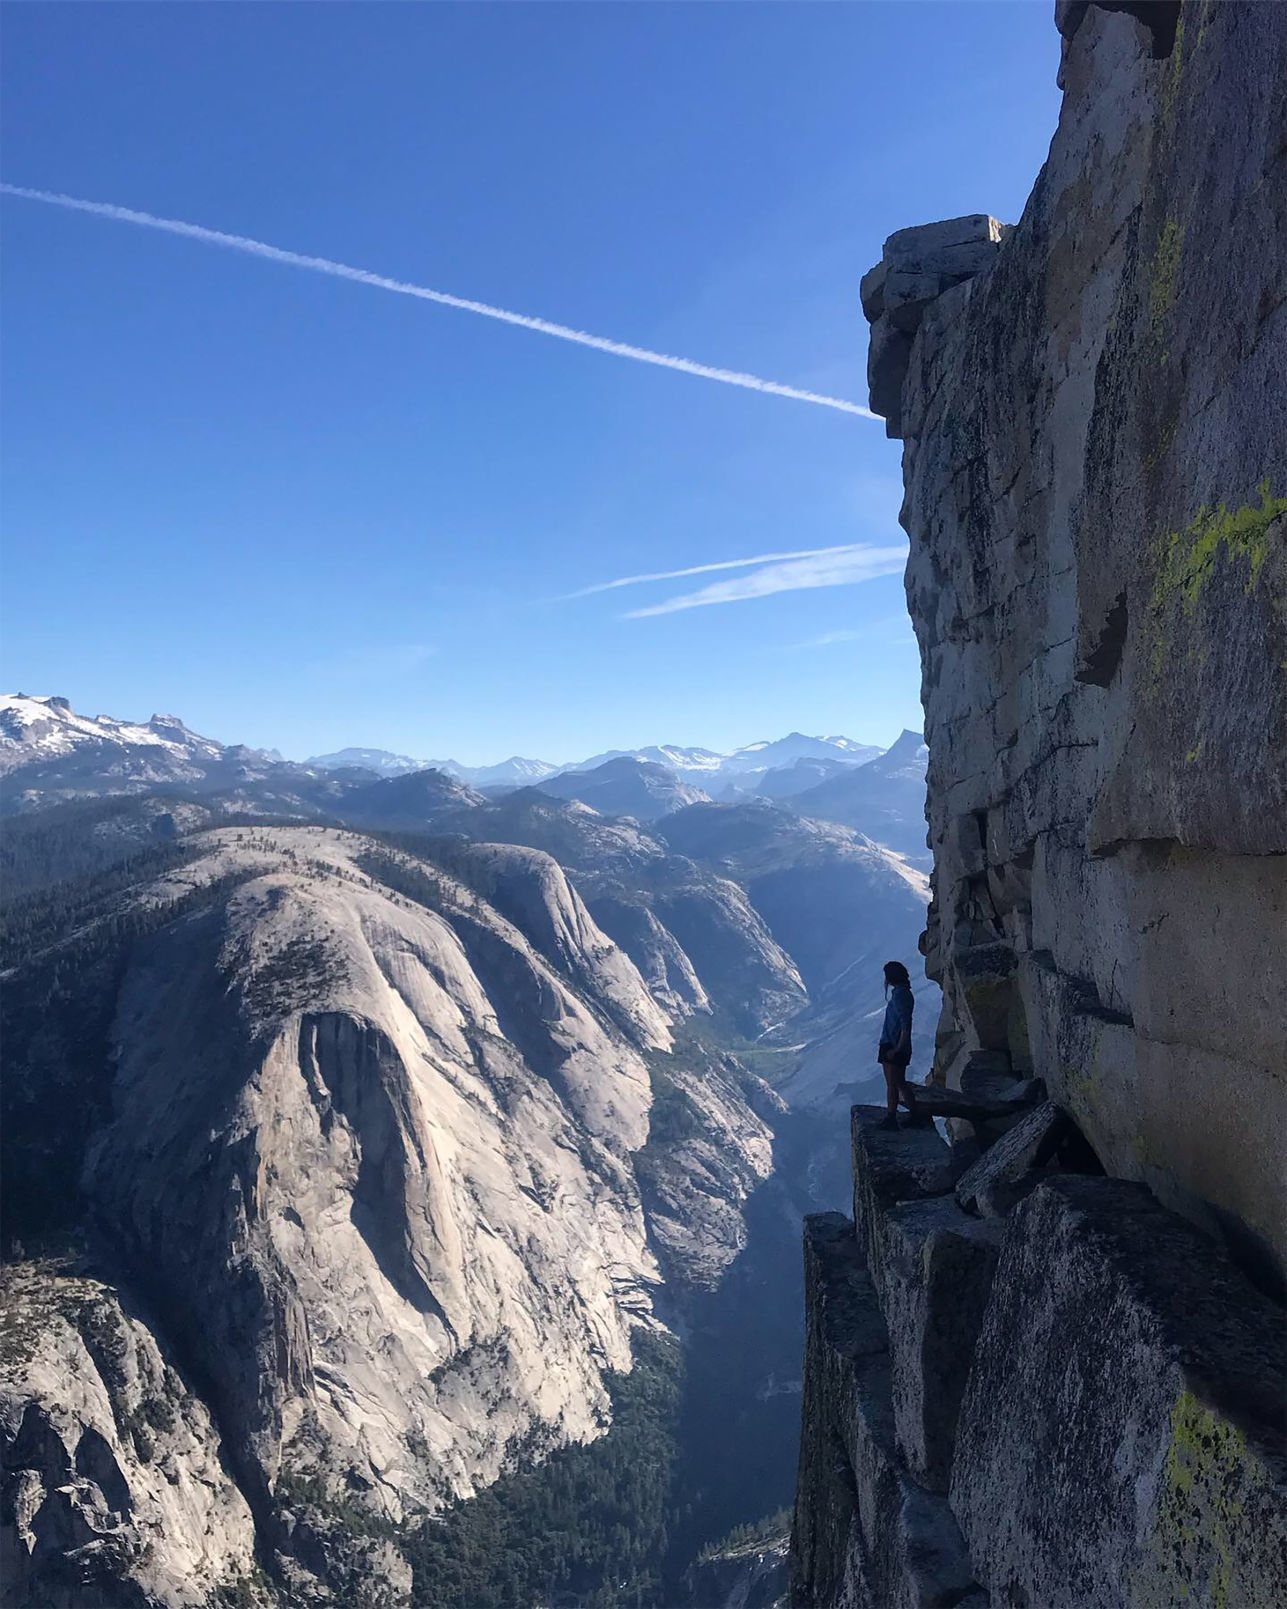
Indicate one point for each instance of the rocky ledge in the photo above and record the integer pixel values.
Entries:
(1076, 1403)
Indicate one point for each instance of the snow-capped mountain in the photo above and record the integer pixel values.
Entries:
(884, 798)
(704, 768)
(34, 729)
(381, 761)
(683, 761)
(798, 746)
(516, 772)
(49, 754)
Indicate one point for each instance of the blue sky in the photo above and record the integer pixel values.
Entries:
(304, 513)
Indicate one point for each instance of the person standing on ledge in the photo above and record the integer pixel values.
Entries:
(895, 1050)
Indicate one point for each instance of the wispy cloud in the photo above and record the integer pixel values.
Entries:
(702, 569)
(876, 630)
(364, 276)
(832, 567)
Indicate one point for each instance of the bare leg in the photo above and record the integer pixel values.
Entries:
(893, 1088)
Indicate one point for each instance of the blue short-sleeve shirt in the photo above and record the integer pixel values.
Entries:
(898, 1015)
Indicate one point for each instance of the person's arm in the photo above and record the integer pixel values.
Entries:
(904, 1034)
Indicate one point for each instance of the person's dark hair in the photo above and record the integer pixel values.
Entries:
(896, 974)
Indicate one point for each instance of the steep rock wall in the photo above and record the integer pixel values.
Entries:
(1044, 1362)
(1095, 428)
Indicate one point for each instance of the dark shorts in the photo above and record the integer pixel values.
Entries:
(903, 1059)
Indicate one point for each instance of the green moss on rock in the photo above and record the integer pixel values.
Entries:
(1187, 559)
(1213, 1499)
(1165, 272)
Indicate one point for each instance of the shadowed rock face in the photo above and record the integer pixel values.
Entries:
(1121, 1438)
(1096, 496)
(1078, 1404)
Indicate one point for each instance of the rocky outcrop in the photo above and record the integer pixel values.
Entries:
(1121, 1436)
(753, 1576)
(1084, 1351)
(411, 1230)
(115, 1488)
(1077, 1402)
(669, 973)
(866, 1534)
(1096, 496)
(917, 266)
(709, 1146)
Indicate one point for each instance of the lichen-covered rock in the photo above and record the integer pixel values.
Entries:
(1121, 1442)
(115, 1489)
(1094, 424)
(1096, 497)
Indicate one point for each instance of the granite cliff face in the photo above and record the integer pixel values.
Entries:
(1095, 458)
(372, 1170)
(1028, 1383)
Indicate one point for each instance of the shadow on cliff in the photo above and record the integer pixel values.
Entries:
(744, 1341)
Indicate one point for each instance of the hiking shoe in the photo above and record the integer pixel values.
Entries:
(889, 1123)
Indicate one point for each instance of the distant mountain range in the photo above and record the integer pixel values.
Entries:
(885, 799)
(705, 768)
(49, 753)
(626, 787)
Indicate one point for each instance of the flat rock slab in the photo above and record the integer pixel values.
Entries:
(919, 239)
(891, 1167)
(984, 1187)
(1120, 1440)
(941, 1102)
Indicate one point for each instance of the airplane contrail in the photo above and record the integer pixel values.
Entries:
(363, 276)
(702, 569)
